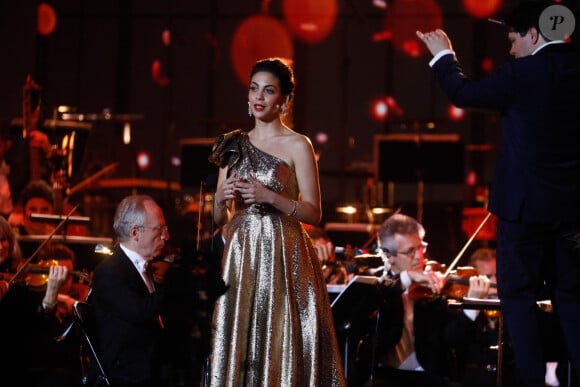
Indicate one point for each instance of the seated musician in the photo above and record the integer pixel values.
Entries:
(34, 312)
(10, 255)
(38, 198)
(334, 270)
(415, 338)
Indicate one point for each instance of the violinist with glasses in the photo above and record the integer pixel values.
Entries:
(416, 338)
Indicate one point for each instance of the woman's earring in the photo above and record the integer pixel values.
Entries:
(283, 109)
(249, 109)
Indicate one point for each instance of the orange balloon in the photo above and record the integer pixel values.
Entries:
(46, 19)
(310, 21)
(404, 17)
(481, 9)
(256, 38)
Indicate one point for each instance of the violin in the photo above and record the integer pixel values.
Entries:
(456, 283)
(453, 278)
(35, 275)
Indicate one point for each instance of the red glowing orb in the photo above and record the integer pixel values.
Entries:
(158, 73)
(379, 110)
(256, 38)
(46, 19)
(310, 21)
(454, 113)
(143, 160)
(487, 65)
(404, 17)
(481, 9)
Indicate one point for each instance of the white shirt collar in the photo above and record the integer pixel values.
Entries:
(547, 44)
(138, 261)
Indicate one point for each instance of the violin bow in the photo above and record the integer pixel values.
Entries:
(44, 242)
(454, 262)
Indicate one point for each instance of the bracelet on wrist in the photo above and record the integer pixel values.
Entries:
(294, 208)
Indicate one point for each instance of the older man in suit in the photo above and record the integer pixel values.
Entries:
(127, 303)
(536, 189)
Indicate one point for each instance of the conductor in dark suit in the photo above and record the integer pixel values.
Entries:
(536, 188)
(127, 303)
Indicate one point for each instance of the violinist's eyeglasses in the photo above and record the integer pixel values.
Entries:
(409, 253)
(157, 229)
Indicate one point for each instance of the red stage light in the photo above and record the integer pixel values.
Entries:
(46, 19)
(310, 21)
(481, 9)
(259, 37)
(158, 73)
(143, 160)
(379, 109)
(487, 64)
(454, 113)
(404, 17)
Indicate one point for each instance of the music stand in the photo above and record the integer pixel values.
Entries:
(354, 304)
(486, 304)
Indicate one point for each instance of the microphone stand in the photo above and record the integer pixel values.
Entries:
(201, 203)
(64, 335)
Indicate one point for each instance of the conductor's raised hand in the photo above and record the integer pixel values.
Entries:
(435, 41)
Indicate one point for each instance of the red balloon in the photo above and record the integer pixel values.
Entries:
(481, 9)
(404, 17)
(256, 38)
(46, 19)
(310, 21)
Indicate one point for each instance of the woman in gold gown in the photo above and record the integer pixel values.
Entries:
(273, 327)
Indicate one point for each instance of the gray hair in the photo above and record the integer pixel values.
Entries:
(398, 224)
(130, 212)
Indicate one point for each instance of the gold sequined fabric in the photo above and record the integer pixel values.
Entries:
(273, 327)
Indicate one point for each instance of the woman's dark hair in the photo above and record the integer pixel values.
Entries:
(280, 70)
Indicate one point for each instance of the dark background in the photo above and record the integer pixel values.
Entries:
(99, 59)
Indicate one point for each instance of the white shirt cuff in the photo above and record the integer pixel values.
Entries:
(439, 55)
(471, 313)
(405, 279)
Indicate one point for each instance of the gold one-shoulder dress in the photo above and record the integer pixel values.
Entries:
(273, 326)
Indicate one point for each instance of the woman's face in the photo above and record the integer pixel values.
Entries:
(265, 96)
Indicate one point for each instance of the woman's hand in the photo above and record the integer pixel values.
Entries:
(250, 190)
(228, 190)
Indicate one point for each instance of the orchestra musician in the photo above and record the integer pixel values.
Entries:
(126, 300)
(34, 316)
(415, 337)
(38, 197)
(334, 270)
